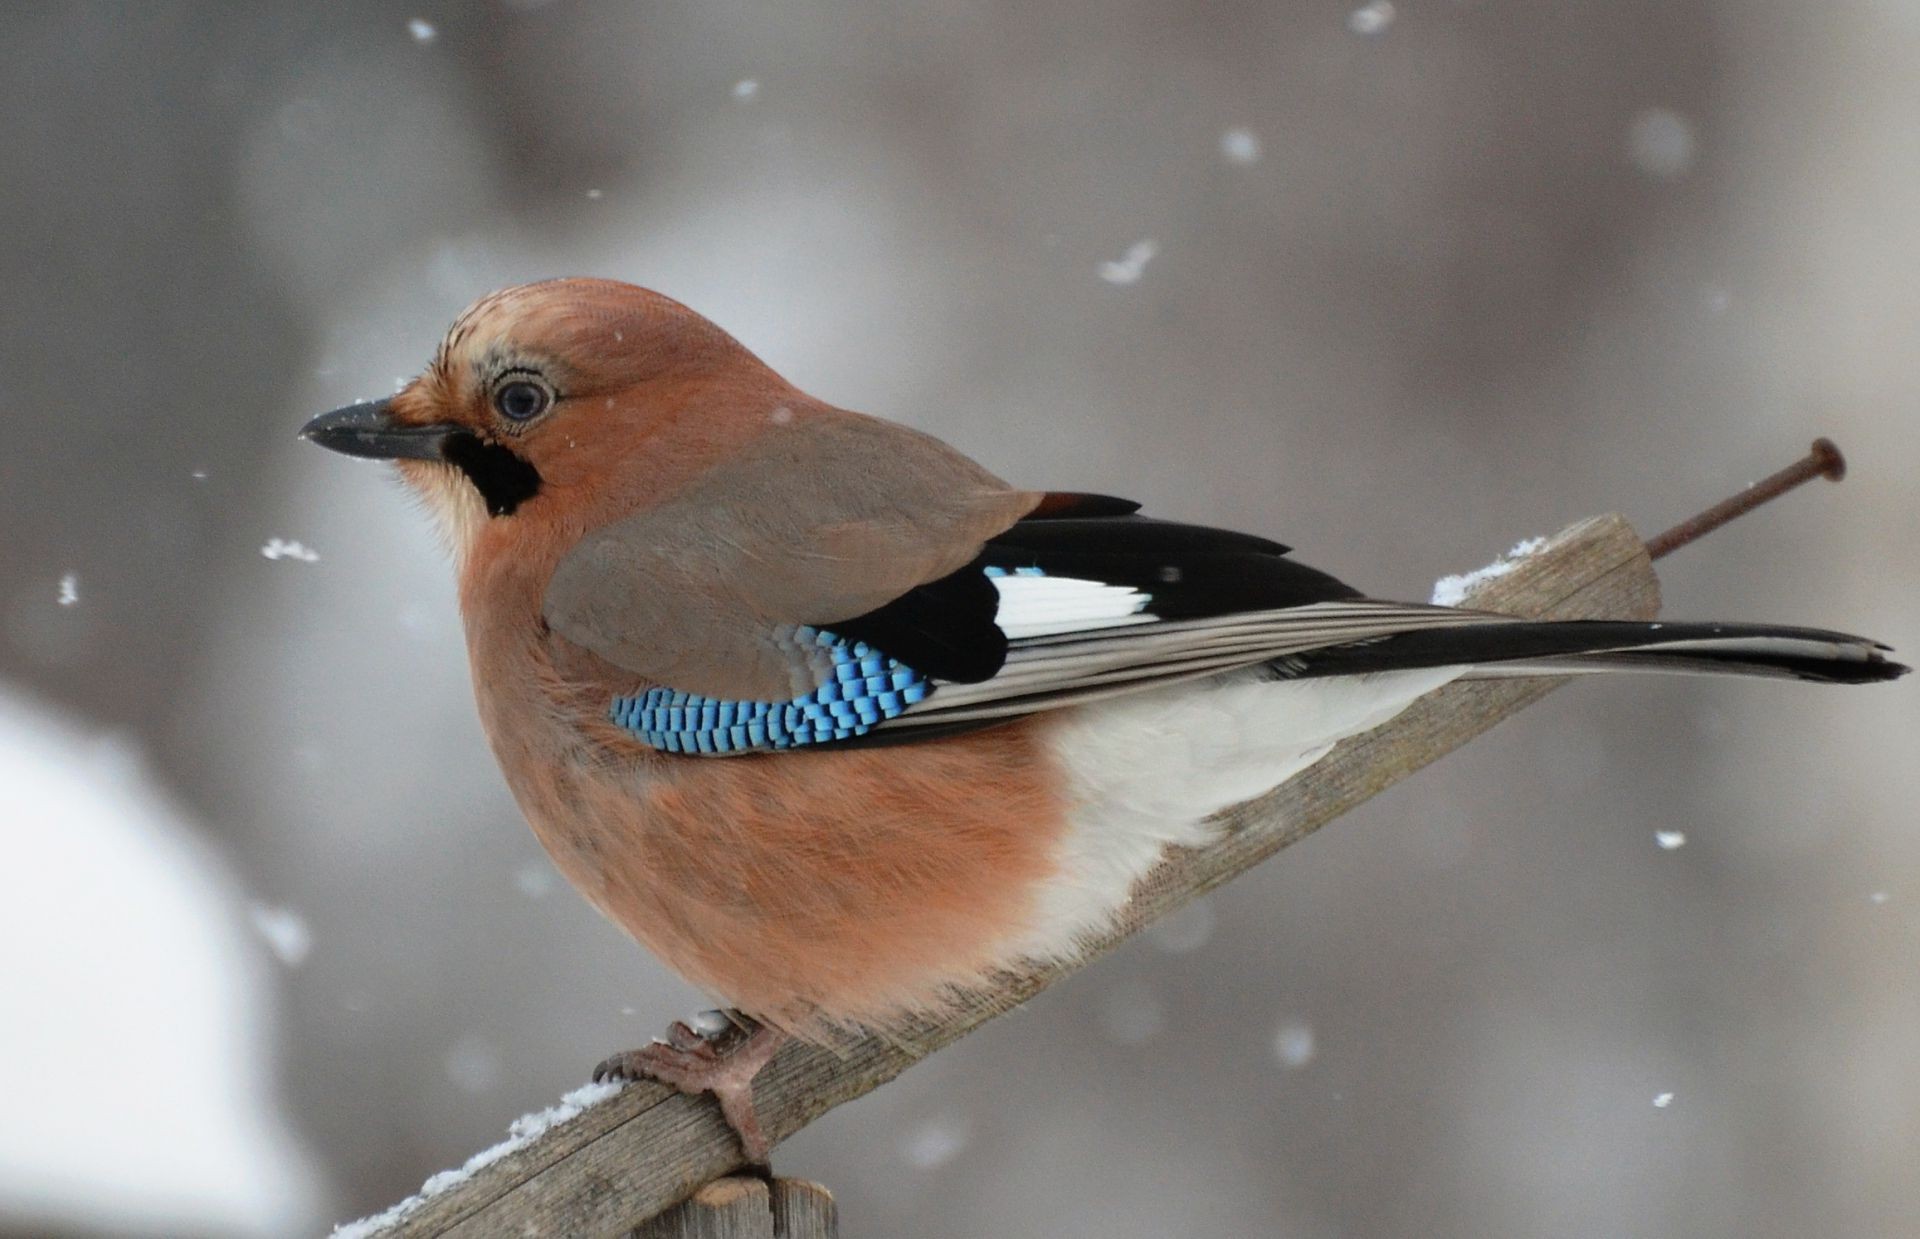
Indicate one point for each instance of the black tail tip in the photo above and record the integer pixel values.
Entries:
(1873, 670)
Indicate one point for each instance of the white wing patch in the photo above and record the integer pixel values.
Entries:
(1033, 605)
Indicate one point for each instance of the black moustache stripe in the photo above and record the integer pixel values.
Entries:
(504, 478)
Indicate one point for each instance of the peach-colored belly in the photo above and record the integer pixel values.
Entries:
(815, 888)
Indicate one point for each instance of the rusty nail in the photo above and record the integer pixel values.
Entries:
(1824, 460)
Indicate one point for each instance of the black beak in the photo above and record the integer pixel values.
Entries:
(368, 429)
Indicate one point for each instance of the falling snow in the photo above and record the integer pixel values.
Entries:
(1662, 1100)
(1660, 143)
(595, 194)
(472, 1065)
(1371, 18)
(286, 548)
(534, 879)
(1132, 266)
(69, 589)
(1451, 591)
(422, 31)
(1670, 839)
(1293, 1045)
(284, 931)
(1879, 897)
(746, 90)
(935, 1142)
(1240, 145)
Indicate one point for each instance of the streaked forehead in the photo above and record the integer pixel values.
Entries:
(518, 310)
(602, 331)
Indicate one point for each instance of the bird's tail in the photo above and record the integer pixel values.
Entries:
(1563, 647)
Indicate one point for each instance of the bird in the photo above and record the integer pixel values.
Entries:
(839, 724)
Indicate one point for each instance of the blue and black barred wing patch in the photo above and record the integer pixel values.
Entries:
(866, 688)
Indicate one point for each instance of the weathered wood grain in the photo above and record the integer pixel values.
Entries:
(730, 1208)
(744, 1207)
(803, 1210)
(648, 1148)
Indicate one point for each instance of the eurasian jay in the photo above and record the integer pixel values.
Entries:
(838, 723)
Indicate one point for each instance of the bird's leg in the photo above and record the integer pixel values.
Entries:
(718, 1052)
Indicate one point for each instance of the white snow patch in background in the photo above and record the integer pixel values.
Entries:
(1660, 143)
(286, 548)
(746, 90)
(1293, 1044)
(1132, 265)
(422, 30)
(134, 1058)
(284, 931)
(69, 589)
(1240, 145)
(1371, 18)
(522, 1131)
(935, 1142)
(1670, 839)
(1451, 591)
(1662, 1100)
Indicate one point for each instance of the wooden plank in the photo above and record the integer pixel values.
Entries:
(648, 1148)
(745, 1207)
(738, 1207)
(803, 1210)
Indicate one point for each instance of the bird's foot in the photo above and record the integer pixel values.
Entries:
(719, 1053)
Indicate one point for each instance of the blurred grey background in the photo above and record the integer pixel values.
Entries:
(1399, 284)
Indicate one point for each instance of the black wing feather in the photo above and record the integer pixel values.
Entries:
(1064, 503)
(946, 629)
(942, 629)
(1614, 644)
(1190, 571)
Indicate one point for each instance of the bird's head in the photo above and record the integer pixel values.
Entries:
(566, 393)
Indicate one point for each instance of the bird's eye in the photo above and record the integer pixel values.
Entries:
(522, 400)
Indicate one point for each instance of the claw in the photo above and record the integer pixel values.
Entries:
(722, 1062)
